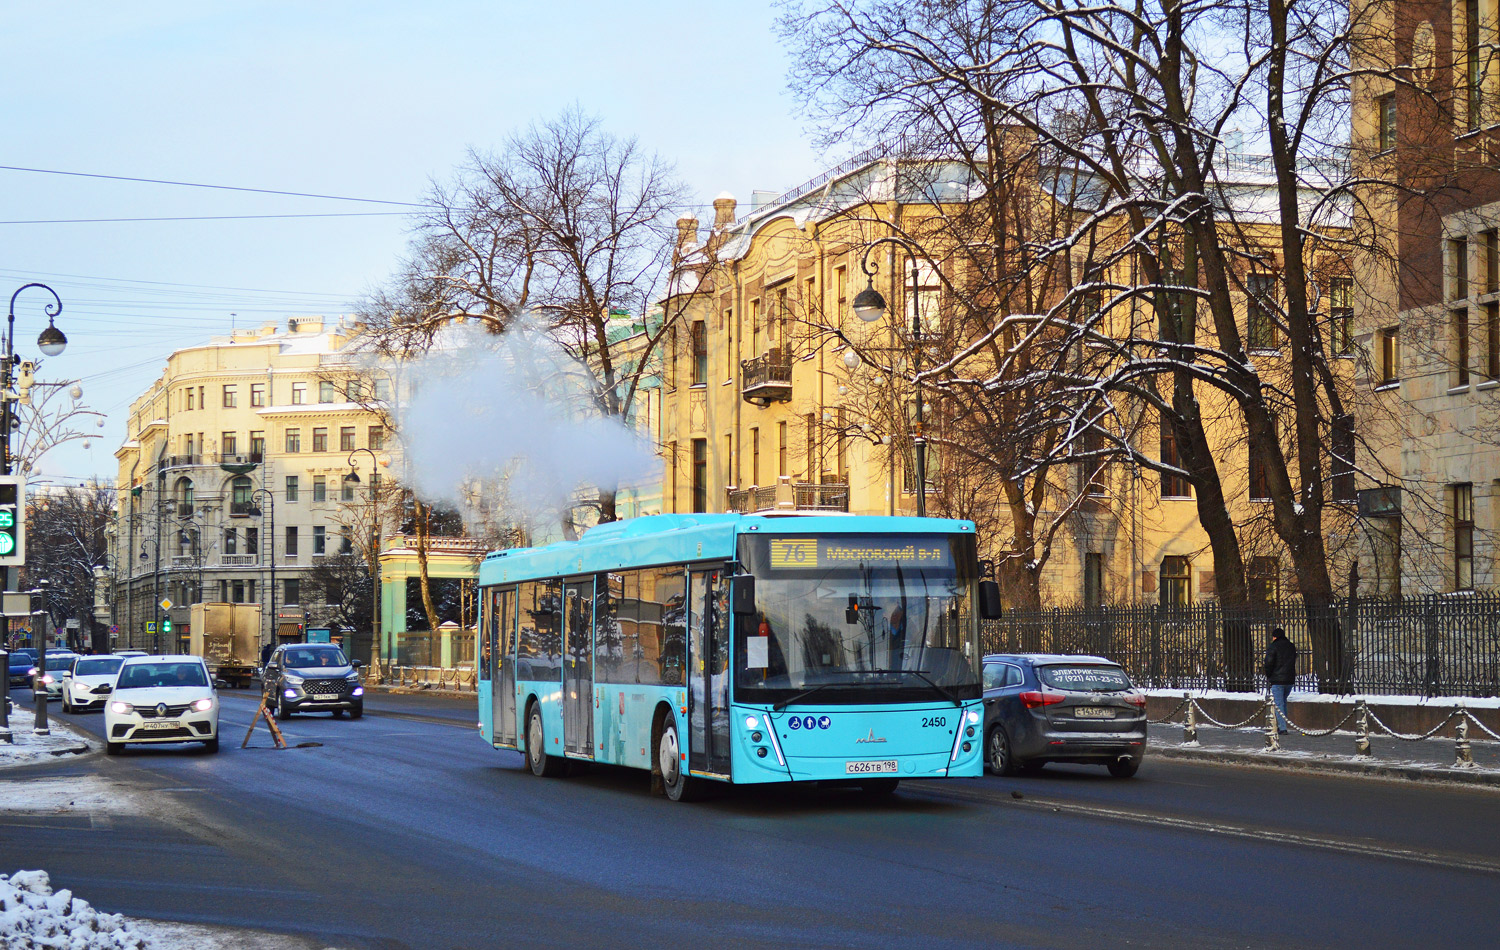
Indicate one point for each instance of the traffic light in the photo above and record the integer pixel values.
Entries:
(166, 625)
(12, 520)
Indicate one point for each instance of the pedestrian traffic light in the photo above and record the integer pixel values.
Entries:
(12, 520)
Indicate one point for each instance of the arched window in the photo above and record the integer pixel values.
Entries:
(242, 487)
(185, 494)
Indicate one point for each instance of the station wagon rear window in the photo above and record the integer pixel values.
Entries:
(1081, 678)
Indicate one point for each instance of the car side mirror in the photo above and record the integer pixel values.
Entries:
(356, 664)
(989, 600)
(744, 595)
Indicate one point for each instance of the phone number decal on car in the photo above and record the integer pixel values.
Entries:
(867, 767)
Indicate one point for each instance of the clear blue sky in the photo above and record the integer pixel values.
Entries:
(367, 99)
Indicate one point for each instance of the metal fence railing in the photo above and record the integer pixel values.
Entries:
(1443, 645)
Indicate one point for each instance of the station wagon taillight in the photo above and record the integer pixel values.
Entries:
(1138, 699)
(1033, 699)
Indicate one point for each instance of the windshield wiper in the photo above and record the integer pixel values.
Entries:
(798, 697)
(941, 691)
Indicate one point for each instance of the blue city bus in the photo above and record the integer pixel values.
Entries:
(740, 648)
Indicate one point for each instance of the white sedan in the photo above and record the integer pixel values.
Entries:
(162, 699)
(89, 682)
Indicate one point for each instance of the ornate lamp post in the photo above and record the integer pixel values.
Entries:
(353, 476)
(870, 307)
(270, 548)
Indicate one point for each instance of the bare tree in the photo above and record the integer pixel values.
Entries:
(65, 541)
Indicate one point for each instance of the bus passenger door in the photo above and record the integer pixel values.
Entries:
(502, 626)
(578, 668)
(708, 665)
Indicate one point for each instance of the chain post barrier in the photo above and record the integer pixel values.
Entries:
(1463, 755)
(1362, 726)
(1272, 745)
(1190, 724)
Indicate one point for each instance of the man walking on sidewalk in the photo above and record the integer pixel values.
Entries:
(1280, 668)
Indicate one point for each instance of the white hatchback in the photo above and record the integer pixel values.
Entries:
(89, 682)
(162, 699)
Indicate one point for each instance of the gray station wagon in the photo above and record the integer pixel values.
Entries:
(1041, 708)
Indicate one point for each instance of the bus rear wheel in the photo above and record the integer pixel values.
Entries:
(675, 781)
(537, 758)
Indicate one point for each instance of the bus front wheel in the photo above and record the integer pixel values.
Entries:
(537, 758)
(674, 778)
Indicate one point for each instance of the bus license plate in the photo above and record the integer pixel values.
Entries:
(162, 724)
(1094, 712)
(866, 768)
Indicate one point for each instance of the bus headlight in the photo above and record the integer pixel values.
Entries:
(973, 718)
(751, 722)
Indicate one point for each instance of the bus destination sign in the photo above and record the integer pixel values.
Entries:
(812, 553)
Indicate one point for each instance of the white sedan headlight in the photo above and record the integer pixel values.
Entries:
(203, 705)
(121, 708)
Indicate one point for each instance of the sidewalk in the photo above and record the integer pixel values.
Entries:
(1422, 760)
(28, 748)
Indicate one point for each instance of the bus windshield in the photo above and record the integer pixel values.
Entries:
(858, 618)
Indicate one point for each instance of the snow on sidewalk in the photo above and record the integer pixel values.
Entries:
(28, 748)
(33, 917)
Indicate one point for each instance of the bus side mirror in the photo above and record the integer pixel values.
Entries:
(744, 595)
(989, 600)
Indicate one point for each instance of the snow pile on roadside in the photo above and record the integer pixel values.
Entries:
(32, 917)
(26, 747)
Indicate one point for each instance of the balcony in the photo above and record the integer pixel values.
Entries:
(789, 497)
(185, 509)
(237, 560)
(767, 378)
(243, 509)
(184, 561)
(180, 461)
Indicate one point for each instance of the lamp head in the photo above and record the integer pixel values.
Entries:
(51, 342)
(869, 305)
(352, 477)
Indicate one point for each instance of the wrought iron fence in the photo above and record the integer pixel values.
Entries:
(1445, 645)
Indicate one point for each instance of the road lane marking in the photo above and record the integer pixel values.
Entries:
(1296, 839)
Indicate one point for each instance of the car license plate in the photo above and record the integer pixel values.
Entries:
(162, 724)
(326, 698)
(1094, 712)
(866, 768)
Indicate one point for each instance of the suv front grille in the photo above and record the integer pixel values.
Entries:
(338, 686)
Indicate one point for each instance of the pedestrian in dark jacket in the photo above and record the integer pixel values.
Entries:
(265, 654)
(1280, 667)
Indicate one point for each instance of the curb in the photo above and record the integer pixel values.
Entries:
(1300, 763)
(421, 691)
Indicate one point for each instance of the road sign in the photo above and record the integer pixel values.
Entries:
(151, 626)
(166, 603)
(114, 628)
(12, 520)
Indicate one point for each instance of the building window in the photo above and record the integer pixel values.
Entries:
(1093, 579)
(1259, 304)
(1343, 458)
(814, 463)
(1091, 480)
(320, 440)
(257, 446)
(1390, 355)
(755, 457)
(346, 489)
(229, 443)
(1260, 483)
(1463, 537)
(672, 478)
(320, 488)
(293, 441)
(1180, 318)
(1473, 74)
(327, 391)
(291, 591)
(376, 436)
(699, 338)
(258, 395)
(700, 475)
(346, 543)
(299, 393)
(190, 397)
(1386, 105)
(320, 540)
(926, 305)
(1491, 243)
(1341, 315)
(346, 438)
(840, 458)
(242, 490)
(728, 343)
(731, 477)
(291, 541)
(237, 592)
(1492, 340)
(231, 397)
(1263, 577)
(1458, 269)
(1458, 321)
(383, 389)
(252, 540)
(781, 450)
(291, 488)
(669, 358)
(231, 540)
(1173, 484)
(1176, 581)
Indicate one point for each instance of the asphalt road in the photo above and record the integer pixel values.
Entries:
(404, 829)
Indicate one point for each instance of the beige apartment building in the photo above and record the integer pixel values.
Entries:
(763, 408)
(1429, 320)
(234, 479)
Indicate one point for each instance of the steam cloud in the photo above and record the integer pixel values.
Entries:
(516, 411)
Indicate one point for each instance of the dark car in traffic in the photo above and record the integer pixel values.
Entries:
(1041, 708)
(19, 666)
(312, 677)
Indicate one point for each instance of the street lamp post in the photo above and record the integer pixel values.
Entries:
(38, 689)
(270, 548)
(870, 306)
(353, 476)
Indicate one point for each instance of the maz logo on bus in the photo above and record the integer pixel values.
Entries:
(809, 722)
